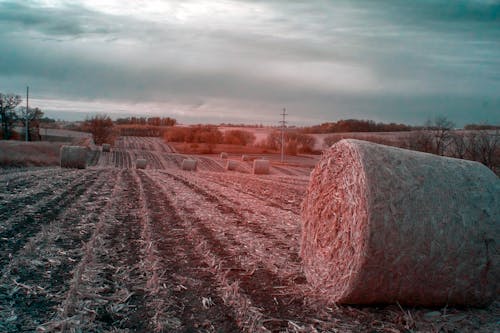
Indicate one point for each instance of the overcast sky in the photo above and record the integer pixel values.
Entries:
(243, 61)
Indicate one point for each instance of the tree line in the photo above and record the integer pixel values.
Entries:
(151, 121)
(12, 114)
(355, 125)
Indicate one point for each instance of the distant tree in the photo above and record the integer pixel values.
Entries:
(484, 147)
(458, 146)
(239, 137)
(8, 116)
(34, 116)
(442, 134)
(101, 127)
(295, 142)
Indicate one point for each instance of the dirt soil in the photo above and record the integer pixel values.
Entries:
(116, 249)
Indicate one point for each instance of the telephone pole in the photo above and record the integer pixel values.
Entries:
(283, 127)
(27, 121)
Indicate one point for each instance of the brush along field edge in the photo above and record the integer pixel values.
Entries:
(386, 225)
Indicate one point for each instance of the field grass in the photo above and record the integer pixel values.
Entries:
(19, 153)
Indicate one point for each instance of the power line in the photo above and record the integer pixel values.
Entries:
(283, 128)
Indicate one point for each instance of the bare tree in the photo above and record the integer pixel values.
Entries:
(8, 104)
(488, 148)
(101, 127)
(458, 146)
(442, 134)
(422, 140)
(34, 115)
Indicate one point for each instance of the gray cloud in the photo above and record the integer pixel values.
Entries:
(385, 60)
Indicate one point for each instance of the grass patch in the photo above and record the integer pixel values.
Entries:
(20, 154)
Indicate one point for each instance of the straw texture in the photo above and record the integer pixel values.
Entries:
(73, 157)
(189, 164)
(260, 167)
(141, 163)
(231, 165)
(386, 225)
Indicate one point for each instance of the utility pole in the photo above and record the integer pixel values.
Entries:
(283, 127)
(27, 121)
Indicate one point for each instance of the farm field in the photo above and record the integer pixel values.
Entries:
(112, 248)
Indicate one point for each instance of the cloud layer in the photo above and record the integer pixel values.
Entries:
(229, 60)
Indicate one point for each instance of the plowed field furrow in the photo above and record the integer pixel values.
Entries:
(33, 197)
(258, 220)
(244, 225)
(257, 275)
(280, 170)
(175, 160)
(271, 193)
(19, 178)
(153, 161)
(20, 228)
(128, 161)
(109, 287)
(209, 164)
(192, 295)
(44, 266)
(94, 157)
(33, 190)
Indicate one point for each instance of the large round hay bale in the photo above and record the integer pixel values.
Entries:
(231, 165)
(141, 163)
(260, 167)
(106, 147)
(189, 164)
(73, 157)
(223, 155)
(385, 225)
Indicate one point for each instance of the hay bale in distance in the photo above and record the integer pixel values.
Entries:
(385, 225)
(141, 163)
(106, 147)
(73, 157)
(261, 167)
(223, 155)
(231, 165)
(245, 158)
(189, 164)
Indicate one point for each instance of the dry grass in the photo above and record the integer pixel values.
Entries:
(19, 153)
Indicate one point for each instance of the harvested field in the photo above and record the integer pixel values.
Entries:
(116, 249)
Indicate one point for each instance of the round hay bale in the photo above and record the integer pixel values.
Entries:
(223, 155)
(385, 225)
(189, 164)
(106, 147)
(231, 165)
(245, 158)
(141, 163)
(73, 157)
(260, 167)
